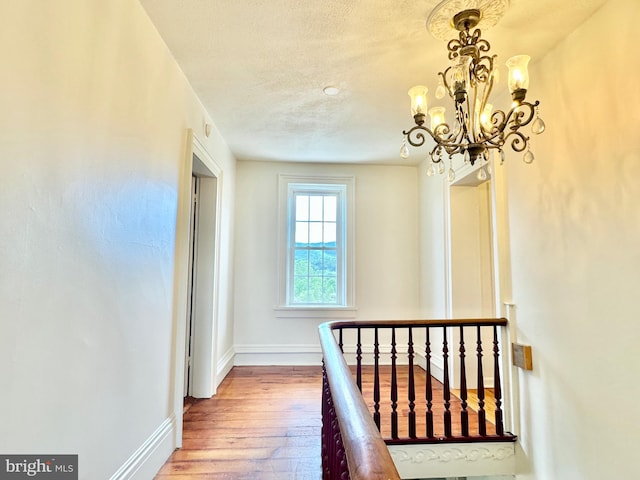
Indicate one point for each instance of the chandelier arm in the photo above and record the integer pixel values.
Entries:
(483, 68)
(522, 114)
(415, 137)
(452, 144)
(444, 81)
(466, 122)
(452, 149)
(498, 123)
(485, 96)
(474, 123)
(484, 132)
(498, 120)
(445, 138)
(495, 141)
(519, 143)
(442, 133)
(489, 88)
(512, 119)
(435, 159)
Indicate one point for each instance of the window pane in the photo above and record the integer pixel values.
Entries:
(329, 235)
(300, 289)
(330, 289)
(302, 207)
(315, 207)
(329, 264)
(301, 265)
(315, 262)
(315, 290)
(302, 233)
(330, 208)
(315, 233)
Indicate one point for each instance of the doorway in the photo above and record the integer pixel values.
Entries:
(471, 268)
(202, 279)
(197, 276)
(191, 299)
(471, 250)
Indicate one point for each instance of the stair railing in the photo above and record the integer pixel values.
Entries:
(352, 445)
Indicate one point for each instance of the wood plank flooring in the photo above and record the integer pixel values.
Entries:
(264, 423)
(420, 403)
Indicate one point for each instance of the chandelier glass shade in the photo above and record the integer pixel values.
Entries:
(477, 129)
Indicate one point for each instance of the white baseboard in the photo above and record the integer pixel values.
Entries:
(225, 364)
(151, 456)
(302, 354)
(437, 371)
(437, 365)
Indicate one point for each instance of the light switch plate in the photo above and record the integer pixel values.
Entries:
(521, 355)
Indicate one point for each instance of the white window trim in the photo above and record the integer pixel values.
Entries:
(349, 310)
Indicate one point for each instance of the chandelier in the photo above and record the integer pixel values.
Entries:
(477, 128)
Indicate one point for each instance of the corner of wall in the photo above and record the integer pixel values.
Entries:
(225, 364)
(152, 454)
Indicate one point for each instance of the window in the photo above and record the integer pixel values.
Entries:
(315, 242)
(316, 254)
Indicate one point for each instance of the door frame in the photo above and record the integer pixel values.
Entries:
(197, 161)
(191, 280)
(503, 303)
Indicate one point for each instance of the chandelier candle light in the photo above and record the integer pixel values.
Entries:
(477, 128)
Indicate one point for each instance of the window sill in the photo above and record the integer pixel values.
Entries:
(323, 313)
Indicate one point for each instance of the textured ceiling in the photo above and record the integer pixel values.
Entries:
(259, 67)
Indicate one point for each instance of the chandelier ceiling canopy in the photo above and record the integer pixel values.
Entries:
(477, 129)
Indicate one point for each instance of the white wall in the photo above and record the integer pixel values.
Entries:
(387, 256)
(433, 296)
(574, 217)
(95, 113)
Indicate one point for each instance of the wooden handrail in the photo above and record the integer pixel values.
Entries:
(450, 322)
(368, 457)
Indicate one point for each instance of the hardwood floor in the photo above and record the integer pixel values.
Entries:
(420, 403)
(264, 423)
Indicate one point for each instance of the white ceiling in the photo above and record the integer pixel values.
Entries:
(259, 67)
